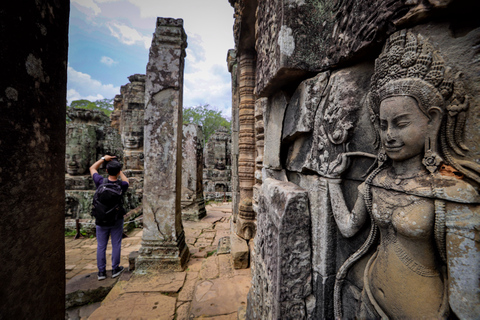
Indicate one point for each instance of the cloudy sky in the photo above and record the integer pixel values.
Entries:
(110, 39)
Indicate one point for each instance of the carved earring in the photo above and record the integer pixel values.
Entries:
(431, 159)
(381, 157)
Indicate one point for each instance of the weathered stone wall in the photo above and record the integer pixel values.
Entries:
(314, 64)
(33, 60)
(89, 136)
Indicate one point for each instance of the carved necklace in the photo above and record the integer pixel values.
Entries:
(402, 180)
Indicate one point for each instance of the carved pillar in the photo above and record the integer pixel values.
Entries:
(245, 226)
(163, 241)
(193, 203)
(232, 63)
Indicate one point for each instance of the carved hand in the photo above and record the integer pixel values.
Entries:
(339, 166)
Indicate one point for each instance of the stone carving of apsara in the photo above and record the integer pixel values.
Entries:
(422, 198)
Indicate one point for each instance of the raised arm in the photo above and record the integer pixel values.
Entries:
(96, 165)
(124, 177)
(348, 222)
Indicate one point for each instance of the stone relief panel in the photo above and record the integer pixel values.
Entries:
(336, 118)
(283, 253)
(422, 199)
(342, 140)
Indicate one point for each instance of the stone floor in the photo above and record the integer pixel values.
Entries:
(209, 288)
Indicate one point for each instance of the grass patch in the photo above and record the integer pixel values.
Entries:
(211, 253)
(73, 233)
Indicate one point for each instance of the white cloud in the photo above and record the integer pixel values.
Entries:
(82, 86)
(73, 95)
(108, 61)
(209, 85)
(90, 4)
(128, 35)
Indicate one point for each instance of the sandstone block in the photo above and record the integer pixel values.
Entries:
(273, 119)
(283, 253)
(239, 251)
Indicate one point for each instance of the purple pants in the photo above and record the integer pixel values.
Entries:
(116, 231)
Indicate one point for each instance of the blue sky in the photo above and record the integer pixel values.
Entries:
(109, 41)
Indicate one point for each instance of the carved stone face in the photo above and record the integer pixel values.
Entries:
(132, 131)
(80, 149)
(75, 164)
(133, 139)
(403, 128)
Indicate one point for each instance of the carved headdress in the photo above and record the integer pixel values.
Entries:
(410, 66)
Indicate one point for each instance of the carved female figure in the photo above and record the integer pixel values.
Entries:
(421, 199)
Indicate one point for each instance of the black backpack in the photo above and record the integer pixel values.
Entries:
(107, 203)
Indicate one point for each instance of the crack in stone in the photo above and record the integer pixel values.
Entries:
(157, 223)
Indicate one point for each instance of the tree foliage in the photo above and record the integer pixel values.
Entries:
(208, 117)
(104, 105)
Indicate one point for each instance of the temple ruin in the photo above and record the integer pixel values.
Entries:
(315, 86)
(217, 166)
(320, 84)
(89, 136)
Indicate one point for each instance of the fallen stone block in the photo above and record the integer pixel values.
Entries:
(239, 251)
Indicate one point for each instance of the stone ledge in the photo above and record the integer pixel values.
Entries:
(84, 289)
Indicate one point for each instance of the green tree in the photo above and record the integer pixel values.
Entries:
(104, 105)
(208, 117)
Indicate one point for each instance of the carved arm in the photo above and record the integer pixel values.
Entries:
(348, 222)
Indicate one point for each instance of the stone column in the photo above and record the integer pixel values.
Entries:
(163, 241)
(193, 203)
(232, 63)
(33, 86)
(245, 226)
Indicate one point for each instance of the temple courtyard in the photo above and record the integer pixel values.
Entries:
(209, 288)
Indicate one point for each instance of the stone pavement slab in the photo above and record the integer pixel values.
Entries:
(170, 282)
(220, 296)
(209, 268)
(186, 294)
(183, 310)
(142, 305)
(209, 288)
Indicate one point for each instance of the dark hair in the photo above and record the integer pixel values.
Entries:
(114, 167)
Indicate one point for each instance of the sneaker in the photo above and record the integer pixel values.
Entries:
(102, 275)
(117, 271)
